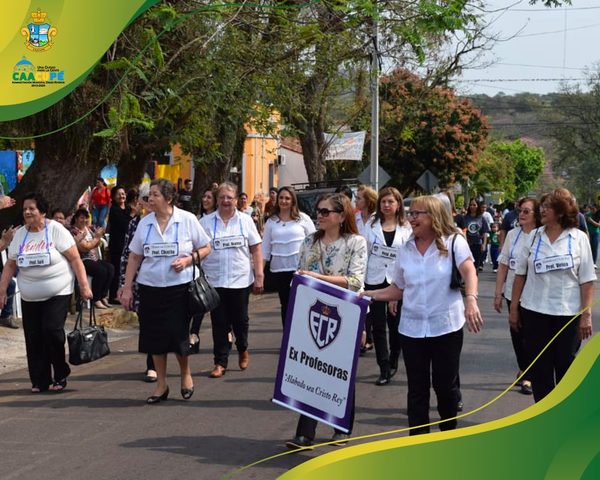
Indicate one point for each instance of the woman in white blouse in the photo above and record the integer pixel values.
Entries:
(554, 278)
(529, 218)
(336, 254)
(385, 233)
(285, 230)
(229, 268)
(432, 314)
(161, 249)
(366, 204)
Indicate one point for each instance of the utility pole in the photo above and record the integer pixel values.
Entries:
(375, 106)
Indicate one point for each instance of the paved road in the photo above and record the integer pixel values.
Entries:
(101, 428)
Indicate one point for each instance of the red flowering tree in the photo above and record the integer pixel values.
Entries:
(424, 127)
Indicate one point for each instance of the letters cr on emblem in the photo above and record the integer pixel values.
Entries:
(324, 323)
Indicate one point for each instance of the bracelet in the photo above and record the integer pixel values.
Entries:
(472, 295)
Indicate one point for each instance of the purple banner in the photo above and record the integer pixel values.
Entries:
(319, 351)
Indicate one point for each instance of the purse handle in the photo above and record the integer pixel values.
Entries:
(79, 320)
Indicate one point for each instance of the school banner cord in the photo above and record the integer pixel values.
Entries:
(319, 351)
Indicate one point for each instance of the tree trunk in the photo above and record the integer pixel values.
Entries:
(58, 173)
(313, 162)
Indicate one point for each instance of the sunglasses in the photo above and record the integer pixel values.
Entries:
(324, 212)
(526, 211)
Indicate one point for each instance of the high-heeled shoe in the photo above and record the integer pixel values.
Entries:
(158, 398)
(187, 393)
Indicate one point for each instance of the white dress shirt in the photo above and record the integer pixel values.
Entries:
(184, 229)
(430, 308)
(379, 266)
(282, 241)
(515, 239)
(360, 225)
(557, 292)
(230, 267)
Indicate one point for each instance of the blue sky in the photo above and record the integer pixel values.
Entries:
(550, 44)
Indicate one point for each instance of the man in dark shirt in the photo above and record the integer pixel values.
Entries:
(185, 195)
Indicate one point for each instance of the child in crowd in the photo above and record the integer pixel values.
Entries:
(495, 245)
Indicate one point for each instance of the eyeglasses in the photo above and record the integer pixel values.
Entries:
(416, 213)
(324, 212)
(525, 211)
(546, 206)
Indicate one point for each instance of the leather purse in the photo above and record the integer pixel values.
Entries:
(87, 344)
(202, 295)
(456, 280)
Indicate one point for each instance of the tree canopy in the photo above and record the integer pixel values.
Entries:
(427, 128)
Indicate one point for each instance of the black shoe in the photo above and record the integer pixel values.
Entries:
(393, 365)
(526, 387)
(383, 379)
(158, 398)
(299, 442)
(59, 385)
(339, 439)
(187, 393)
(150, 378)
(459, 406)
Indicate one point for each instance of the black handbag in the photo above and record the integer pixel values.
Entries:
(456, 280)
(202, 295)
(89, 343)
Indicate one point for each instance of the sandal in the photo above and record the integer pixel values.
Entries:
(59, 385)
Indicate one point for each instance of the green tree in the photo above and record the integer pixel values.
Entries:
(425, 127)
(575, 126)
(510, 167)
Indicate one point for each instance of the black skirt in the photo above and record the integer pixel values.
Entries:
(164, 319)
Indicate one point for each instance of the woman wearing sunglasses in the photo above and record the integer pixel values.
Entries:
(433, 314)
(529, 218)
(336, 254)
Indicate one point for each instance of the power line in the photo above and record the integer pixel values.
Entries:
(562, 9)
(554, 67)
(493, 80)
(537, 34)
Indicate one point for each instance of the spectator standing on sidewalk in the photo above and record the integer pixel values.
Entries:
(99, 203)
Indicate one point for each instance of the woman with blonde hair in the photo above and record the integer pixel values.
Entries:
(433, 312)
(366, 204)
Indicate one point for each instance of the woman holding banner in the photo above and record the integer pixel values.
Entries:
(336, 254)
(433, 313)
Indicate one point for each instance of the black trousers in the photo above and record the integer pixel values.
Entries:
(102, 274)
(381, 318)
(478, 255)
(432, 360)
(44, 329)
(550, 368)
(518, 342)
(307, 427)
(231, 313)
(283, 281)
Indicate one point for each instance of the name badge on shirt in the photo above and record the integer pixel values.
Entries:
(512, 263)
(384, 251)
(236, 241)
(33, 260)
(550, 264)
(161, 249)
